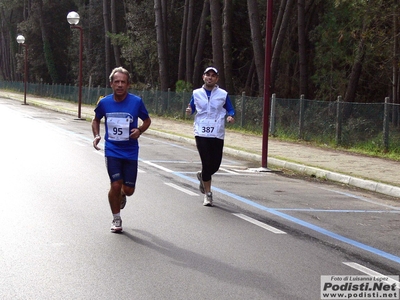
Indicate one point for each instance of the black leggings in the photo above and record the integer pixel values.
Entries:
(210, 150)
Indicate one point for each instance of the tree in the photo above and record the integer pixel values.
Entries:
(114, 31)
(278, 38)
(200, 43)
(227, 44)
(302, 46)
(356, 68)
(182, 49)
(161, 44)
(256, 37)
(189, 41)
(162, 41)
(138, 44)
(334, 44)
(47, 47)
(107, 43)
(216, 37)
(7, 61)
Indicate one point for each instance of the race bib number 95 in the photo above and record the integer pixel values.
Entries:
(118, 129)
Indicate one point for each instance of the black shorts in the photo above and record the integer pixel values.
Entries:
(124, 169)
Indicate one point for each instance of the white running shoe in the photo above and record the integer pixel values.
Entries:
(201, 186)
(116, 225)
(208, 199)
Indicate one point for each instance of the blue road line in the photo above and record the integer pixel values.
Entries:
(297, 221)
(339, 210)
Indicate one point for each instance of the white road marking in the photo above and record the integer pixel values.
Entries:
(157, 166)
(260, 224)
(228, 171)
(190, 193)
(362, 198)
(370, 272)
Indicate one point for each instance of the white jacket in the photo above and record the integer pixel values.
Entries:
(210, 117)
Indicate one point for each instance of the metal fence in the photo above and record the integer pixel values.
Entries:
(369, 126)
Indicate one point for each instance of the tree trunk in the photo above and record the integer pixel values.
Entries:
(162, 57)
(356, 69)
(280, 37)
(47, 49)
(164, 9)
(6, 58)
(165, 16)
(106, 43)
(227, 44)
(189, 39)
(117, 54)
(198, 67)
(216, 37)
(249, 80)
(256, 37)
(182, 52)
(278, 21)
(302, 46)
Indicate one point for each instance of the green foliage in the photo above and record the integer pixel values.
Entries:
(183, 86)
(343, 25)
(334, 31)
(45, 36)
(138, 43)
(334, 46)
(48, 54)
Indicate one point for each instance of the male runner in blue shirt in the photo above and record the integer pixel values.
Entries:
(121, 111)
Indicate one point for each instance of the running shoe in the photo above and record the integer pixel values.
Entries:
(208, 199)
(122, 199)
(116, 225)
(201, 186)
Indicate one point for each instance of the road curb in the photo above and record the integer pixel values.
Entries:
(368, 185)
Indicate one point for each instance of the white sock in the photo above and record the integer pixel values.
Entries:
(117, 215)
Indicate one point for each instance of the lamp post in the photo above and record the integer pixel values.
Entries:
(21, 41)
(73, 20)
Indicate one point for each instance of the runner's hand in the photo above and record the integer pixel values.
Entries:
(96, 142)
(135, 133)
(188, 110)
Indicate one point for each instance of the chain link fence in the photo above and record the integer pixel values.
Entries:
(374, 127)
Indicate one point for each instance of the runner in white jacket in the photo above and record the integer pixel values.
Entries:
(211, 104)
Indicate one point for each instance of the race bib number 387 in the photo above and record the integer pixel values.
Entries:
(208, 127)
(118, 129)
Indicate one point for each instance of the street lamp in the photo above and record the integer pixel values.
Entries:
(73, 20)
(21, 41)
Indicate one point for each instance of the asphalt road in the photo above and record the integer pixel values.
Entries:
(269, 236)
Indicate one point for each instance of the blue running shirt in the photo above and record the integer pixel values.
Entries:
(120, 119)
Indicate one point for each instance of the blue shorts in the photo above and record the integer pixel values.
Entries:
(122, 169)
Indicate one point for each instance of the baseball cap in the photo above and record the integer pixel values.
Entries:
(211, 69)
